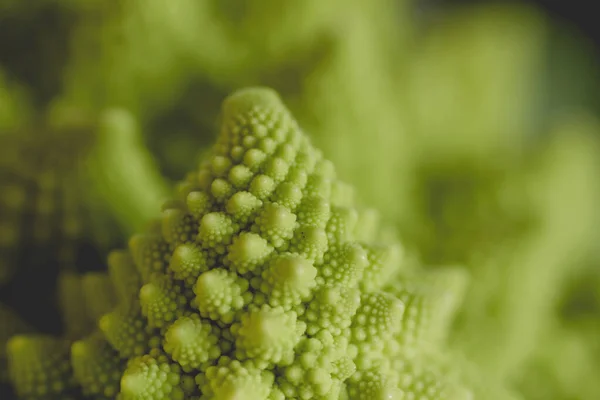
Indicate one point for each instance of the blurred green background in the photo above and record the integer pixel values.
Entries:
(472, 125)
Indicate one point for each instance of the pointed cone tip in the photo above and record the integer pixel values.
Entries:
(244, 100)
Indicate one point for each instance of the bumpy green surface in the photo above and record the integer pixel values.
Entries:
(78, 363)
(255, 285)
(452, 158)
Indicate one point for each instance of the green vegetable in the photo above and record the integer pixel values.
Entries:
(264, 280)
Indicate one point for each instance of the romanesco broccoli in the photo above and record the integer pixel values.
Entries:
(254, 285)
